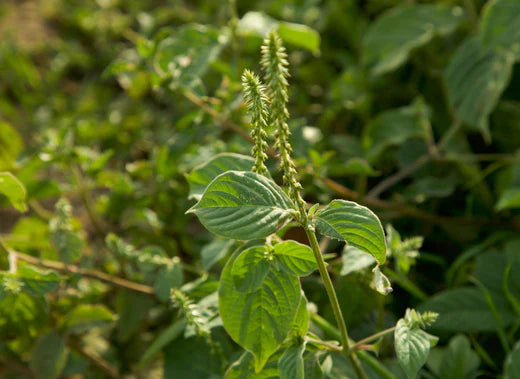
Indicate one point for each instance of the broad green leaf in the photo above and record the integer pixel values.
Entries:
(202, 175)
(10, 145)
(164, 338)
(86, 316)
(244, 368)
(394, 127)
(259, 24)
(412, 346)
(168, 277)
(191, 358)
(354, 260)
(512, 363)
(295, 258)
(390, 39)
(37, 282)
(475, 78)
(290, 364)
(260, 320)
(250, 268)
(243, 205)
(465, 310)
(500, 24)
(301, 321)
(49, 356)
(13, 189)
(188, 53)
(355, 224)
(459, 360)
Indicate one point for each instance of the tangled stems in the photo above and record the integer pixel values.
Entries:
(256, 100)
(275, 64)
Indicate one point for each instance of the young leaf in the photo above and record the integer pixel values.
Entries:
(412, 346)
(202, 175)
(390, 39)
(243, 205)
(49, 356)
(475, 78)
(291, 363)
(260, 320)
(13, 189)
(356, 225)
(295, 258)
(250, 268)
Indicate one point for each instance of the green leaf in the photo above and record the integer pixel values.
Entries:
(244, 368)
(295, 258)
(509, 199)
(381, 283)
(10, 145)
(394, 127)
(13, 189)
(250, 268)
(412, 346)
(129, 320)
(301, 321)
(259, 24)
(465, 310)
(165, 337)
(290, 364)
(500, 24)
(512, 363)
(260, 320)
(214, 252)
(37, 282)
(243, 205)
(475, 78)
(188, 53)
(459, 360)
(49, 356)
(86, 316)
(354, 260)
(356, 225)
(202, 175)
(390, 39)
(169, 277)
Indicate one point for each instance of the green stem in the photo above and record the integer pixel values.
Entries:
(371, 338)
(334, 303)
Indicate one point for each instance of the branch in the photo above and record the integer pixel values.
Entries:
(97, 361)
(88, 273)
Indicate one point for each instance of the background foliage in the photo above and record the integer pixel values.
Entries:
(411, 109)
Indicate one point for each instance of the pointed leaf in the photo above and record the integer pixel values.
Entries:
(14, 190)
(412, 346)
(260, 320)
(250, 268)
(202, 175)
(356, 225)
(243, 205)
(291, 363)
(295, 258)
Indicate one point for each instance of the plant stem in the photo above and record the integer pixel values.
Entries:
(371, 338)
(334, 303)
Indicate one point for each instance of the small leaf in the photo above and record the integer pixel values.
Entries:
(49, 356)
(295, 258)
(37, 282)
(512, 363)
(412, 346)
(202, 175)
(354, 260)
(250, 268)
(291, 363)
(475, 78)
(259, 321)
(86, 316)
(356, 225)
(390, 39)
(13, 189)
(243, 205)
(381, 282)
(459, 360)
